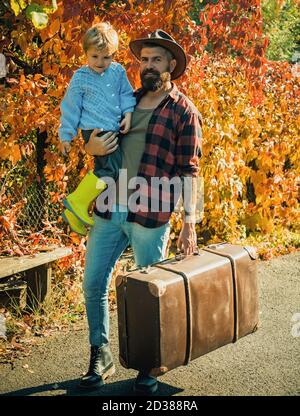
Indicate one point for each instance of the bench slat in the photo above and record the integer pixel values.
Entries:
(13, 265)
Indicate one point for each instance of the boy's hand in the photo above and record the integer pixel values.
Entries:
(65, 147)
(125, 123)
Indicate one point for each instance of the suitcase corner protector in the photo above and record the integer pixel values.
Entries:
(120, 279)
(157, 288)
(252, 251)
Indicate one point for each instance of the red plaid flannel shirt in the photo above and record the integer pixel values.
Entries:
(173, 148)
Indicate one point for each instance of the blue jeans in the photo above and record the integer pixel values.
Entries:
(106, 242)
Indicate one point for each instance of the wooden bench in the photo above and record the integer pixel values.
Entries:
(36, 282)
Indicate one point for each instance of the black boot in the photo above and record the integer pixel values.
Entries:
(101, 367)
(145, 384)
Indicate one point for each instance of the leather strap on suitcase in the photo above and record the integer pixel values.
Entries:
(179, 256)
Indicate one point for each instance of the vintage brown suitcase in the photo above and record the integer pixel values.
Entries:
(182, 308)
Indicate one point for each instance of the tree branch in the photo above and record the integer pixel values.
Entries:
(27, 67)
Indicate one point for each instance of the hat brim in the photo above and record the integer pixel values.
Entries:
(177, 51)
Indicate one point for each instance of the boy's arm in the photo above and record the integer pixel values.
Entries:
(71, 107)
(127, 98)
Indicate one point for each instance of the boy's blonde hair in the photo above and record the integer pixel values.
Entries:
(101, 36)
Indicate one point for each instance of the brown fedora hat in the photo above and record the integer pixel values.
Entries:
(163, 39)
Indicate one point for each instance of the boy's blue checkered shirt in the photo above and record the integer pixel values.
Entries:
(95, 100)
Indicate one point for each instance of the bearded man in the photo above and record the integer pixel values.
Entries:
(164, 142)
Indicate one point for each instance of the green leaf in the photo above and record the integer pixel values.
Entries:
(51, 9)
(39, 20)
(37, 15)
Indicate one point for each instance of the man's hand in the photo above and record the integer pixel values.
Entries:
(187, 240)
(101, 146)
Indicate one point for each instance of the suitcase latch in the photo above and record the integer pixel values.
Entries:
(145, 269)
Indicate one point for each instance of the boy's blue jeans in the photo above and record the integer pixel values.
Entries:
(106, 242)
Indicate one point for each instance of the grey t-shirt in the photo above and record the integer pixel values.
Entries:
(133, 146)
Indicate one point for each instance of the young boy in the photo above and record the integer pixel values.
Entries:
(99, 96)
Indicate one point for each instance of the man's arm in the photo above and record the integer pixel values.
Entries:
(189, 196)
(187, 241)
(189, 151)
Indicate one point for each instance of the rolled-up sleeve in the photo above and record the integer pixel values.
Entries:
(189, 144)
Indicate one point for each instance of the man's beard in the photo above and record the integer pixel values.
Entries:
(153, 82)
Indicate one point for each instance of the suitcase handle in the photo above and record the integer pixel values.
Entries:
(180, 256)
(216, 245)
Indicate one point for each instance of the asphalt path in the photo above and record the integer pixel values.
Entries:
(265, 363)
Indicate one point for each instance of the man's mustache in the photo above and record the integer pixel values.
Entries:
(149, 71)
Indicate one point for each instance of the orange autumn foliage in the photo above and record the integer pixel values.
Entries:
(250, 158)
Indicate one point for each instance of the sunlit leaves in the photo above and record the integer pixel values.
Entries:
(250, 181)
(251, 156)
(17, 6)
(38, 15)
(235, 27)
(51, 9)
